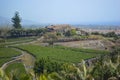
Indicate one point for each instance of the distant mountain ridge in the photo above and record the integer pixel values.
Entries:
(32, 24)
(4, 20)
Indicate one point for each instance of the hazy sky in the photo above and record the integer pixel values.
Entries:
(63, 11)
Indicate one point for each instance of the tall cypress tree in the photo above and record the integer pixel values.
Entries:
(16, 21)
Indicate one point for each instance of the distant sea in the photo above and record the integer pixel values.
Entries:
(107, 27)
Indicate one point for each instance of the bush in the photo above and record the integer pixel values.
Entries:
(45, 65)
(95, 33)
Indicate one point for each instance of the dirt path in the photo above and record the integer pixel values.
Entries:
(27, 59)
(16, 59)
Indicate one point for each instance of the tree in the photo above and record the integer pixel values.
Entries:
(110, 34)
(73, 32)
(50, 38)
(95, 33)
(68, 34)
(16, 21)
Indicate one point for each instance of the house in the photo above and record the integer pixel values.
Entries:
(59, 28)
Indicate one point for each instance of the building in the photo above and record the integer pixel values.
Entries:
(59, 28)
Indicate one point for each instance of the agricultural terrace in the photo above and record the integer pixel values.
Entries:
(6, 54)
(17, 67)
(60, 53)
(13, 41)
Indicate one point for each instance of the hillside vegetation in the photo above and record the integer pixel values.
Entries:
(7, 54)
(61, 54)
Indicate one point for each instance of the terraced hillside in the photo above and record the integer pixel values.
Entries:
(7, 54)
(61, 54)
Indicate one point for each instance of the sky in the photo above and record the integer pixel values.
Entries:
(63, 11)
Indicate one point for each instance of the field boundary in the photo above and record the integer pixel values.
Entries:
(16, 59)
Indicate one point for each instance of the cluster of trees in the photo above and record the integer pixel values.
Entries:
(109, 34)
(70, 33)
(13, 33)
(18, 31)
(50, 38)
(95, 33)
(26, 32)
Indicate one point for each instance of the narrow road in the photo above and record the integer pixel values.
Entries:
(16, 59)
(27, 59)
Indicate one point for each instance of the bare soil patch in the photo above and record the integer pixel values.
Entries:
(90, 44)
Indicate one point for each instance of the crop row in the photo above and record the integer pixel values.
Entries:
(61, 54)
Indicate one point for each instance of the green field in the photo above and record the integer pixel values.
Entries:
(3, 60)
(16, 42)
(13, 41)
(18, 68)
(83, 50)
(61, 54)
(6, 54)
(20, 39)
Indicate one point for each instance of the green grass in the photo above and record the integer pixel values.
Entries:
(16, 42)
(13, 41)
(17, 67)
(3, 60)
(83, 50)
(6, 54)
(9, 44)
(61, 54)
(19, 39)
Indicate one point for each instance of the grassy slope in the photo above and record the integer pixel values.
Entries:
(6, 54)
(3, 60)
(12, 41)
(19, 39)
(18, 67)
(61, 54)
(83, 50)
